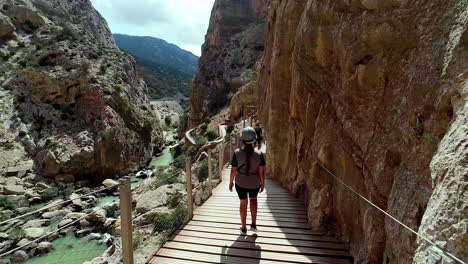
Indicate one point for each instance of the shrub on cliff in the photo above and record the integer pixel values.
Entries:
(170, 222)
(66, 33)
(211, 134)
(6, 204)
(168, 120)
(179, 162)
(202, 172)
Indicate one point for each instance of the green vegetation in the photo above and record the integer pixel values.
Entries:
(202, 172)
(165, 177)
(179, 162)
(6, 204)
(168, 120)
(204, 127)
(103, 69)
(419, 127)
(67, 33)
(137, 239)
(170, 222)
(211, 134)
(49, 193)
(207, 120)
(17, 234)
(174, 200)
(23, 62)
(39, 46)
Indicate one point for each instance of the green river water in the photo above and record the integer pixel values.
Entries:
(73, 250)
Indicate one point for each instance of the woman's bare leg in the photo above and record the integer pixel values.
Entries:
(243, 212)
(253, 210)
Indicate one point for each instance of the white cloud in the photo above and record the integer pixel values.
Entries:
(182, 22)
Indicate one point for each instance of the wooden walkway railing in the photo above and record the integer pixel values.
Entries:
(213, 236)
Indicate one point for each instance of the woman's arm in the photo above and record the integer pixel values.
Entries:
(233, 176)
(261, 173)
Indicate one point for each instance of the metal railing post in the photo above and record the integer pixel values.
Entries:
(126, 228)
(210, 176)
(188, 179)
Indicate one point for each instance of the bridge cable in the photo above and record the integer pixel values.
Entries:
(390, 216)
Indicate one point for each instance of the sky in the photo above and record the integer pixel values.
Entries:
(181, 22)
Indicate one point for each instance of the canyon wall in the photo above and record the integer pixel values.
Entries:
(376, 91)
(233, 45)
(71, 101)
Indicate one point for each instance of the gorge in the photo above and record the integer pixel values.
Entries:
(372, 92)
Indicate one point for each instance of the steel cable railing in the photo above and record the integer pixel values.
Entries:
(448, 254)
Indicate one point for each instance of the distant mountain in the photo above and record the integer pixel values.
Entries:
(158, 51)
(166, 68)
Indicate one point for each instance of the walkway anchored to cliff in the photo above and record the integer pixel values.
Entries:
(212, 236)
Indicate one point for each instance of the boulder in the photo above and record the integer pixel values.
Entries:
(97, 218)
(36, 223)
(13, 189)
(152, 199)
(45, 247)
(65, 222)
(64, 178)
(19, 256)
(42, 185)
(5, 245)
(74, 216)
(148, 217)
(3, 236)
(54, 214)
(110, 183)
(34, 232)
(111, 208)
(18, 200)
(83, 232)
(55, 205)
(76, 200)
(20, 170)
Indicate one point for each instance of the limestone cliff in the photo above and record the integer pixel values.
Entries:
(233, 45)
(70, 100)
(377, 92)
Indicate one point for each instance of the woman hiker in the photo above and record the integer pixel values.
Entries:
(248, 171)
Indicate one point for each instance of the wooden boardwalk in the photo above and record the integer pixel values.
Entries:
(213, 235)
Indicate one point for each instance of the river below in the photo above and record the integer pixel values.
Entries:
(73, 250)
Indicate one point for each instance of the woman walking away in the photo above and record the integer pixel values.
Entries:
(248, 171)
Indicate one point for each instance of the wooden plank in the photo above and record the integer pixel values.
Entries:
(286, 240)
(267, 210)
(202, 210)
(259, 217)
(263, 206)
(243, 242)
(255, 254)
(209, 258)
(166, 260)
(260, 224)
(263, 233)
(260, 201)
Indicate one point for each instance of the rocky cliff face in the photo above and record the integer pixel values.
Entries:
(70, 100)
(377, 92)
(234, 43)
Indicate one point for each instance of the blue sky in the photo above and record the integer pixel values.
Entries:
(182, 22)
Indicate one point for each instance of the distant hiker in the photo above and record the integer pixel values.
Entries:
(248, 171)
(258, 131)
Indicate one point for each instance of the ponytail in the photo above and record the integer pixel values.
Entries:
(249, 149)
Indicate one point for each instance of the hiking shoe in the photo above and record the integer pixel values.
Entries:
(243, 231)
(253, 228)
